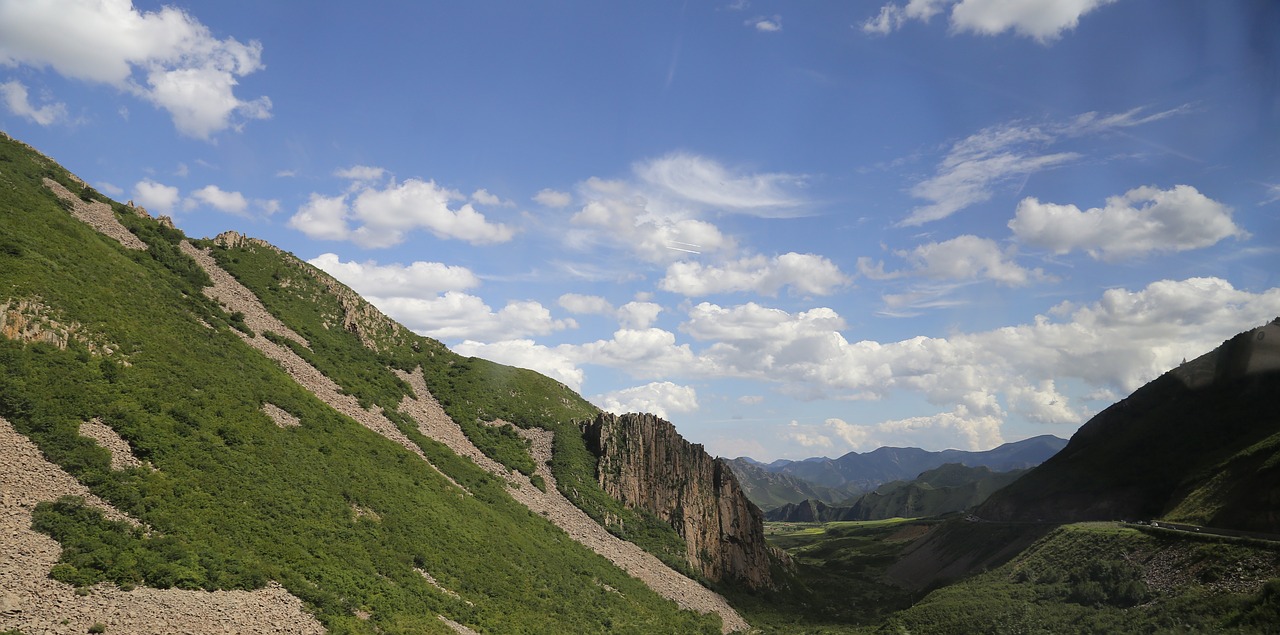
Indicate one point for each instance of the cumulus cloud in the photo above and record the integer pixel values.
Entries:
(1141, 221)
(456, 316)
(1043, 20)
(765, 25)
(801, 273)
(156, 196)
(553, 198)
(373, 215)
(166, 57)
(659, 398)
(647, 352)
(632, 315)
(215, 197)
(1113, 346)
(998, 155)
(525, 353)
(19, 103)
(964, 257)
(418, 279)
(625, 224)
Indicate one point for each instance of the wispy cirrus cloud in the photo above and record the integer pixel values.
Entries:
(974, 167)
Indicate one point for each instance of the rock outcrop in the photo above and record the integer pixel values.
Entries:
(644, 463)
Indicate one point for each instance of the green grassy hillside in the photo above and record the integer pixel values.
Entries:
(339, 515)
(1104, 578)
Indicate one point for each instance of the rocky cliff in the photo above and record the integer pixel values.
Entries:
(646, 464)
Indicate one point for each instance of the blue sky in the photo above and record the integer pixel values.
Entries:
(793, 229)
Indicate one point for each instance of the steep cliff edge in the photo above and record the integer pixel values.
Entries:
(646, 464)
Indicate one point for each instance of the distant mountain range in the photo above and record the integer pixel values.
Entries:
(841, 480)
(950, 488)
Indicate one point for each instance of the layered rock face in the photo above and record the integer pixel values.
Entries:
(646, 464)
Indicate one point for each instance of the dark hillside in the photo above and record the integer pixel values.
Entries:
(1198, 444)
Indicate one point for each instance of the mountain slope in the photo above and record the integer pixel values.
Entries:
(348, 503)
(770, 490)
(1198, 444)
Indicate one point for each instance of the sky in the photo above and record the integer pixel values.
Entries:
(792, 229)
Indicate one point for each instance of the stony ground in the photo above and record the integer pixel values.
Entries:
(34, 603)
(97, 215)
(667, 582)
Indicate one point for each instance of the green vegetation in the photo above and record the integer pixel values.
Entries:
(236, 500)
(1102, 578)
(473, 391)
(836, 585)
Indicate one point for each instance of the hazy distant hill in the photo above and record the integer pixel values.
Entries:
(823, 479)
(1199, 444)
(949, 488)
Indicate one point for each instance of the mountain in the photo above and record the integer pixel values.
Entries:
(1199, 444)
(770, 490)
(212, 435)
(794, 481)
(950, 488)
(645, 464)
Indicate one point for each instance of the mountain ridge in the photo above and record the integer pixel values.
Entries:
(335, 503)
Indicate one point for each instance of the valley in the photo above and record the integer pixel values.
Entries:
(201, 431)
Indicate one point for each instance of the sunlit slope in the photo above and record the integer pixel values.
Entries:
(1198, 444)
(344, 518)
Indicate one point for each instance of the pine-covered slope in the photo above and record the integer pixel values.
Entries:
(286, 446)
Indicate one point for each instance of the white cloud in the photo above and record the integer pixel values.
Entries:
(802, 273)
(638, 315)
(1043, 20)
(1116, 344)
(751, 400)
(585, 304)
(19, 103)
(423, 280)
(680, 180)
(527, 354)
(659, 398)
(110, 189)
(484, 197)
(961, 258)
(623, 224)
(360, 173)
(1042, 404)
(215, 197)
(647, 352)
(893, 16)
(956, 429)
(552, 198)
(323, 217)
(976, 164)
(166, 57)
(999, 155)
(1141, 221)
(766, 25)
(632, 315)
(383, 216)
(458, 316)
(155, 196)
